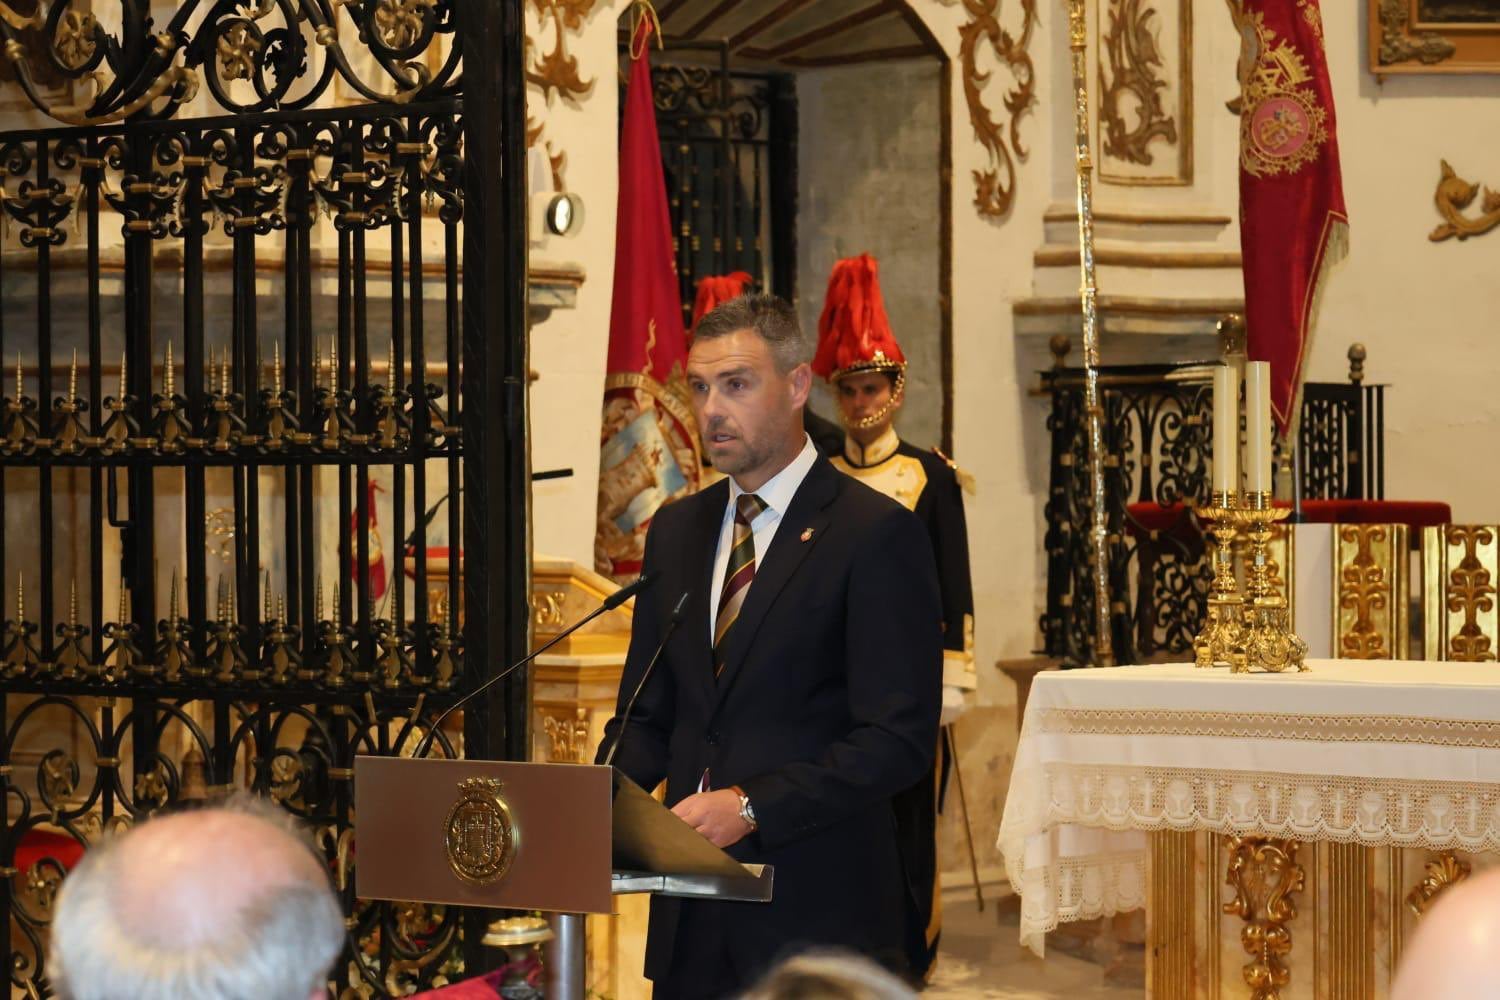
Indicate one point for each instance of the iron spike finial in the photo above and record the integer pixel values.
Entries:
(168, 379)
(172, 610)
(318, 600)
(122, 376)
(20, 597)
(276, 367)
(73, 378)
(73, 603)
(336, 607)
(20, 379)
(267, 613)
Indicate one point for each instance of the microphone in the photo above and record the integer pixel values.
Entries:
(611, 602)
(672, 624)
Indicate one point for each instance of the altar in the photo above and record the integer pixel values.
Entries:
(1284, 833)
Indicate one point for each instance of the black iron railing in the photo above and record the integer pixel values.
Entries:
(227, 329)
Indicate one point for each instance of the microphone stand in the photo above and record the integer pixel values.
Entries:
(672, 624)
(611, 602)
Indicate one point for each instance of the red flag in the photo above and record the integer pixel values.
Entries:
(649, 450)
(1293, 225)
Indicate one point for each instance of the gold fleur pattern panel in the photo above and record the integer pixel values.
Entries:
(1460, 621)
(1146, 92)
(1370, 591)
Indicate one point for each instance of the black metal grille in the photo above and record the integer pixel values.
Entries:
(219, 332)
(729, 153)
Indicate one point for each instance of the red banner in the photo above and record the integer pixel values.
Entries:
(649, 450)
(1293, 225)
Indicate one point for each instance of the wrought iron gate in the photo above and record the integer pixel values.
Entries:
(219, 332)
(729, 152)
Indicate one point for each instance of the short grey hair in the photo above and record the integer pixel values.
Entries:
(771, 317)
(829, 975)
(279, 945)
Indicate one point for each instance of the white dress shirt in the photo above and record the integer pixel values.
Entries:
(777, 495)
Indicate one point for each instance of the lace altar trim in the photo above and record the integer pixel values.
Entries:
(1375, 812)
(1100, 885)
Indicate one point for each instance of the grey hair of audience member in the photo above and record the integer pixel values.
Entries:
(223, 903)
(829, 976)
(1455, 952)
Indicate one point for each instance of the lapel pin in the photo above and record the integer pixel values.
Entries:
(807, 534)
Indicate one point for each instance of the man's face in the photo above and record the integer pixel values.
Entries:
(864, 394)
(747, 410)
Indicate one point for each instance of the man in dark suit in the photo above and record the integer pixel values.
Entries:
(801, 691)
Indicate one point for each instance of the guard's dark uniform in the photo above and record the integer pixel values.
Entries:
(854, 337)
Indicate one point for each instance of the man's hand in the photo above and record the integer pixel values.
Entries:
(716, 815)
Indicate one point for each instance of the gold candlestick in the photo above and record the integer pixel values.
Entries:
(1270, 643)
(1223, 639)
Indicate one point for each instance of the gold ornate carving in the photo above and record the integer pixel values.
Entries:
(1265, 875)
(1370, 597)
(480, 835)
(547, 609)
(1443, 871)
(1471, 592)
(1453, 195)
(995, 186)
(1132, 113)
(555, 71)
(1397, 42)
(567, 736)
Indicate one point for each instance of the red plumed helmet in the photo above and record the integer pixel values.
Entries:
(715, 290)
(854, 332)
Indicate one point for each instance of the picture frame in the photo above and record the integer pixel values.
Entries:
(1433, 37)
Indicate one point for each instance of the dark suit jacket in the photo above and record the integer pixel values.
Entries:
(827, 707)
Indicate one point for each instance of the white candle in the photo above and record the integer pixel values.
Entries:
(1258, 427)
(1226, 429)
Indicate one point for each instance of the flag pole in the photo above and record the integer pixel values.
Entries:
(1088, 290)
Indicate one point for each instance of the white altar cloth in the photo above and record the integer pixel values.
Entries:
(1372, 752)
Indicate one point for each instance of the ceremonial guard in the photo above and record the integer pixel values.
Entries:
(859, 357)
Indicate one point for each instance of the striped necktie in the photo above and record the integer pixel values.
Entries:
(738, 574)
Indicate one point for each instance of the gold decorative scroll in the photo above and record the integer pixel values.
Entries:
(1394, 43)
(1460, 620)
(1453, 195)
(1145, 93)
(995, 185)
(555, 71)
(1444, 870)
(1370, 591)
(567, 732)
(1265, 876)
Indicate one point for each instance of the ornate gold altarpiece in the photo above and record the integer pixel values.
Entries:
(1224, 911)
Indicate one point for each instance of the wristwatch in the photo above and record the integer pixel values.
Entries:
(747, 813)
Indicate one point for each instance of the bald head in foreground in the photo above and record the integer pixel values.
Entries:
(216, 904)
(1455, 952)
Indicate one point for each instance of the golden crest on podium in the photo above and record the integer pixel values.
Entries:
(480, 834)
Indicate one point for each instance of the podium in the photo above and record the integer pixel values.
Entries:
(560, 838)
